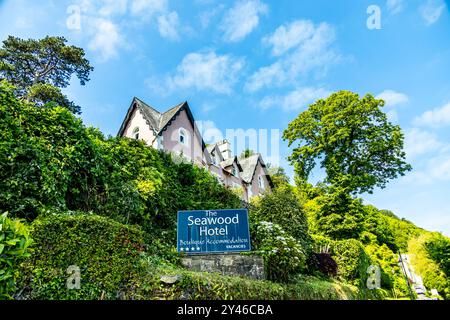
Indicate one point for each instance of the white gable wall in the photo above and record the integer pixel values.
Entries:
(137, 120)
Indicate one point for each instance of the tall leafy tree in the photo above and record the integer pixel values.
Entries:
(247, 153)
(278, 175)
(40, 68)
(352, 140)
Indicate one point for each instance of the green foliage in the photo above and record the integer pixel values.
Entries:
(352, 261)
(14, 247)
(392, 277)
(246, 153)
(351, 137)
(278, 176)
(50, 162)
(338, 215)
(106, 252)
(433, 275)
(438, 250)
(350, 256)
(284, 256)
(43, 93)
(212, 286)
(38, 68)
(45, 156)
(282, 207)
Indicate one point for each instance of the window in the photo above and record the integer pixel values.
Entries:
(233, 171)
(182, 136)
(136, 133)
(261, 182)
(214, 159)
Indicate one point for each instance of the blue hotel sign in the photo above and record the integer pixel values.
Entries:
(209, 231)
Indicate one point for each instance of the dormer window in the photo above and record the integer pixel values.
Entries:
(183, 136)
(214, 159)
(261, 182)
(136, 133)
(233, 171)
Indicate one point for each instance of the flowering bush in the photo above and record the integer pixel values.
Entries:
(283, 254)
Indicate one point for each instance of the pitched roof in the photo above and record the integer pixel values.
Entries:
(249, 166)
(156, 120)
(168, 115)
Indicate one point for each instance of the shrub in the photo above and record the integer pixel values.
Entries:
(325, 263)
(106, 252)
(392, 277)
(350, 256)
(282, 207)
(284, 256)
(352, 261)
(14, 242)
(432, 274)
(438, 250)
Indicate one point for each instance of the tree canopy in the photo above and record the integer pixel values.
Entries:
(39, 68)
(351, 138)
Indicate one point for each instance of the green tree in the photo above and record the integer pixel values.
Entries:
(438, 249)
(247, 153)
(351, 138)
(39, 68)
(283, 208)
(278, 176)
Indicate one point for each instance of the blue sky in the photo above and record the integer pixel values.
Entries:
(255, 64)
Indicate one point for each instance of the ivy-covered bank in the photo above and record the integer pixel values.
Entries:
(108, 206)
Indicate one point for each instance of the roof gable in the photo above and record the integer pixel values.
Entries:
(214, 149)
(157, 121)
(249, 166)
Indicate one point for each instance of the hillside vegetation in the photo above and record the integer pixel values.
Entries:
(108, 205)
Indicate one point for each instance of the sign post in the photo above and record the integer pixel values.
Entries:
(213, 231)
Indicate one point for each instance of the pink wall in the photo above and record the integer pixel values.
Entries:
(193, 148)
(255, 184)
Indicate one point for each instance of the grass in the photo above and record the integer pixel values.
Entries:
(213, 286)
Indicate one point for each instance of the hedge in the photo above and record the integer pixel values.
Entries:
(106, 252)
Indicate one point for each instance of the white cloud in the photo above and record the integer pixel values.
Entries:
(205, 71)
(419, 142)
(392, 116)
(289, 36)
(439, 168)
(168, 25)
(392, 98)
(205, 17)
(242, 19)
(395, 6)
(113, 7)
(313, 52)
(434, 118)
(295, 100)
(106, 38)
(431, 11)
(148, 8)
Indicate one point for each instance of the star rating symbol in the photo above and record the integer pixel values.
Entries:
(190, 248)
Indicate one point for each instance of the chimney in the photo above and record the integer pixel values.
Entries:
(225, 149)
